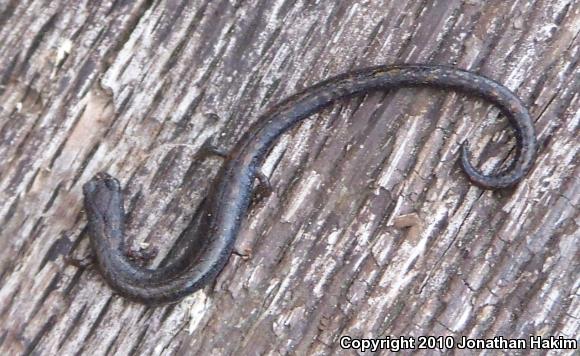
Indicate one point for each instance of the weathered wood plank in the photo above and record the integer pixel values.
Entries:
(372, 230)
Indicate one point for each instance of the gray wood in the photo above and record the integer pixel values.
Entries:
(372, 228)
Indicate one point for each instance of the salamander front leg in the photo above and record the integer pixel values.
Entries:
(208, 150)
(263, 189)
(142, 256)
(80, 262)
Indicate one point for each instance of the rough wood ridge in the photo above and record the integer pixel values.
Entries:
(372, 229)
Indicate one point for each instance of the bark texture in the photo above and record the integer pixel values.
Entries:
(372, 229)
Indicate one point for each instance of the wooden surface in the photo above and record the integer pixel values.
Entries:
(372, 229)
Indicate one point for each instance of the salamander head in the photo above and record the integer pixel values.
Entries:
(103, 198)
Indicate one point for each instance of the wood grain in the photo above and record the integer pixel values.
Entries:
(372, 230)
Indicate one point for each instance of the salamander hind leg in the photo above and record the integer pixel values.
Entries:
(263, 189)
